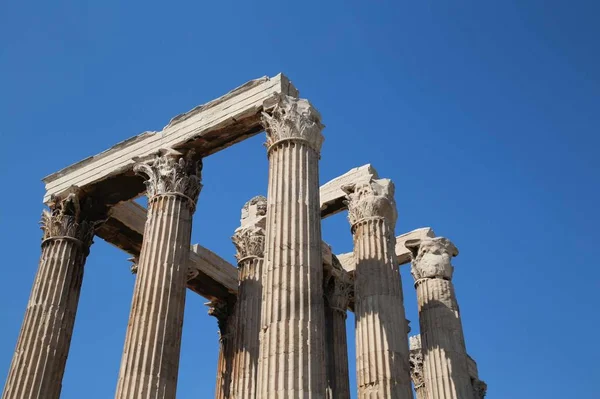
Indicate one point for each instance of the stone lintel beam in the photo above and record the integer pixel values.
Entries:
(124, 229)
(210, 275)
(125, 224)
(402, 253)
(207, 128)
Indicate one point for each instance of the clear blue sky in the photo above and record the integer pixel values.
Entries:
(485, 114)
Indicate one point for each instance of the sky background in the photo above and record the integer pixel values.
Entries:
(485, 114)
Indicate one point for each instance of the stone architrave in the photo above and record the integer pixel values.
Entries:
(38, 364)
(150, 361)
(416, 366)
(292, 360)
(224, 312)
(381, 329)
(442, 340)
(338, 288)
(249, 240)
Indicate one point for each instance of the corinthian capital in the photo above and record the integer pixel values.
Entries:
(370, 200)
(66, 219)
(339, 294)
(249, 238)
(431, 258)
(293, 118)
(249, 242)
(221, 310)
(172, 173)
(338, 286)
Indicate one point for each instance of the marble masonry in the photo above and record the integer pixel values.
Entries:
(281, 311)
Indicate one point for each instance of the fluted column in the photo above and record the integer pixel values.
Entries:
(416, 366)
(292, 362)
(38, 364)
(249, 242)
(225, 312)
(381, 327)
(150, 361)
(338, 288)
(442, 339)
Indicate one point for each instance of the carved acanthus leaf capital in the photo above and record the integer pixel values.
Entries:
(172, 173)
(372, 199)
(249, 242)
(431, 258)
(66, 218)
(339, 286)
(293, 118)
(339, 293)
(221, 310)
(134, 264)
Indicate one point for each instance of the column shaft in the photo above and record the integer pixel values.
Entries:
(38, 365)
(445, 361)
(246, 348)
(41, 355)
(150, 361)
(336, 342)
(381, 328)
(249, 242)
(292, 362)
(445, 357)
(225, 313)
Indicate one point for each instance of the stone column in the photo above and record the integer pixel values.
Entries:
(338, 288)
(292, 361)
(225, 314)
(443, 343)
(38, 364)
(249, 242)
(150, 360)
(416, 366)
(381, 328)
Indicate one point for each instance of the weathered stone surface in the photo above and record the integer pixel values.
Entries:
(150, 362)
(249, 240)
(402, 253)
(38, 364)
(479, 387)
(333, 197)
(225, 312)
(215, 278)
(207, 128)
(417, 371)
(443, 344)
(292, 362)
(381, 328)
(432, 258)
(416, 366)
(338, 288)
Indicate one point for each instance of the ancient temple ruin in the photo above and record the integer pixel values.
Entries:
(281, 310)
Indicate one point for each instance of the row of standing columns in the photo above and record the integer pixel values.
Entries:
(284, 336)
(150, 360)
